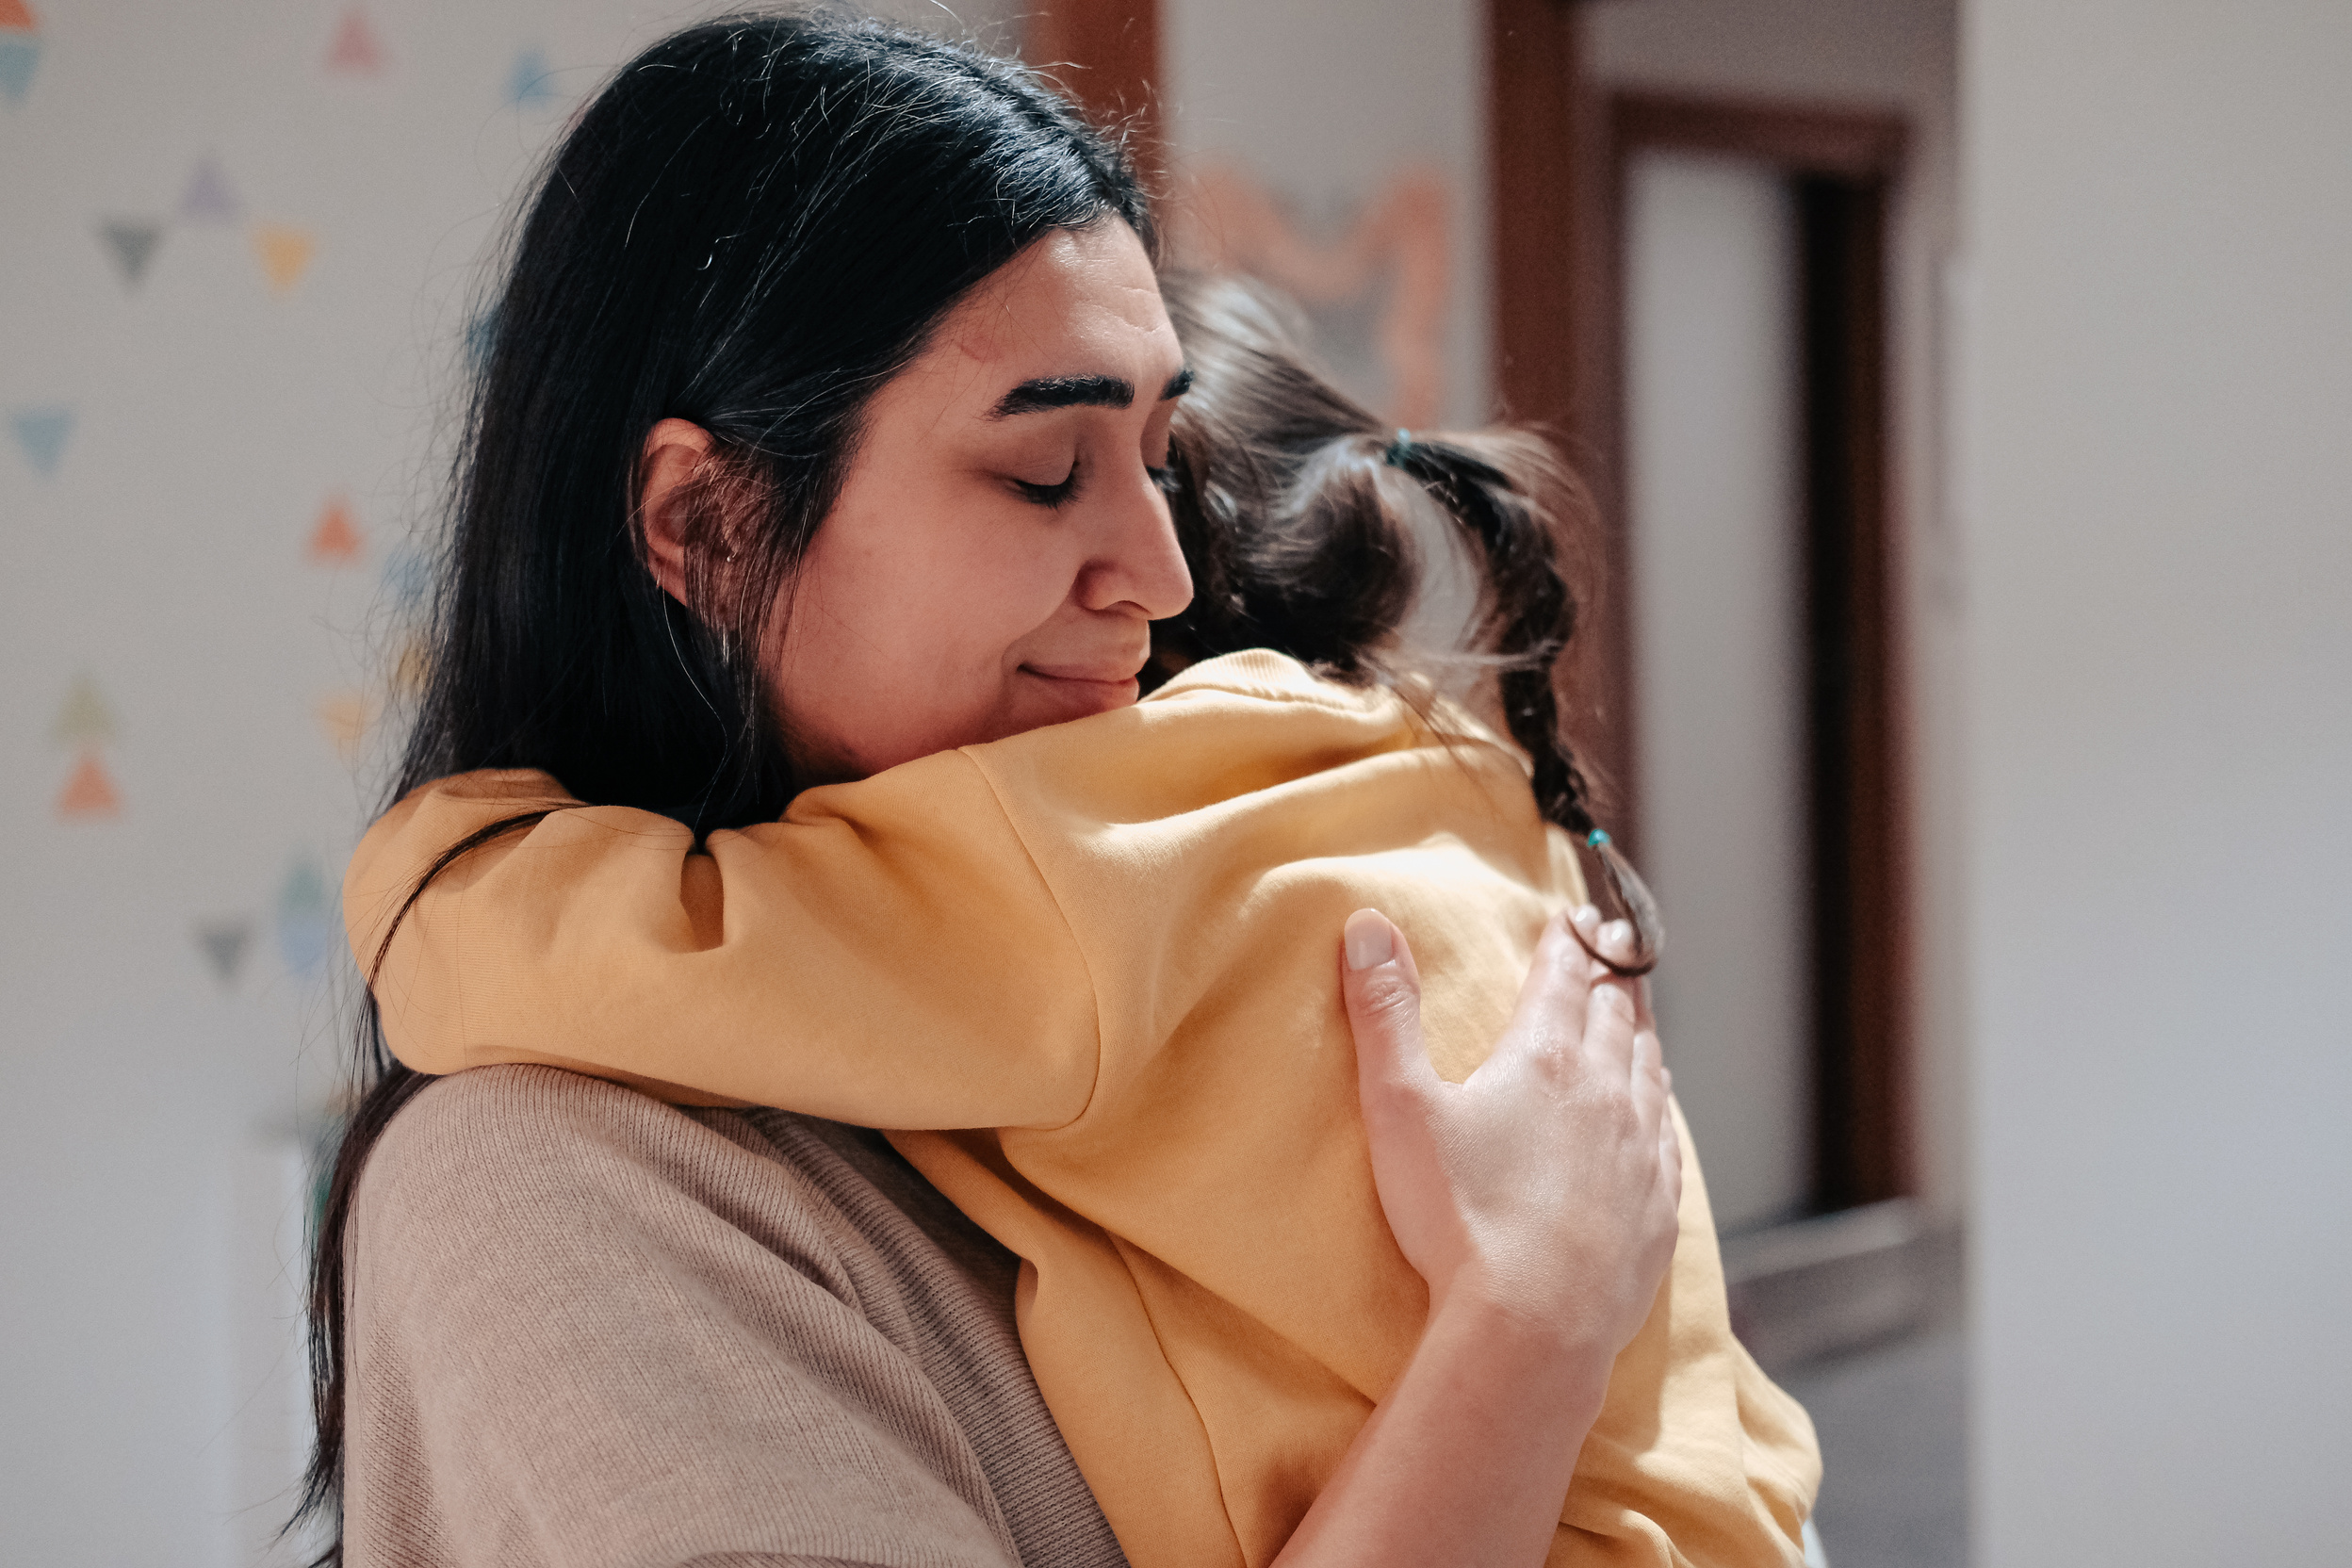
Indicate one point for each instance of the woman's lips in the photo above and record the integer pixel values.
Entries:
(1085, 689)
(1081, 677)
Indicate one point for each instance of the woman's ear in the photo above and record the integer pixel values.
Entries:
(674, 451)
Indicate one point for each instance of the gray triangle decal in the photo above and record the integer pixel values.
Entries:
(224, 942)
(132, 240)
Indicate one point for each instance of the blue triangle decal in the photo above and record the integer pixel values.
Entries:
(305, 930)
(530, 85)
(42, 434)
(481, 335)
(407, 579)
(17, 60)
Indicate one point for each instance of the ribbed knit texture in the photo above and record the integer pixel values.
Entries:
(591, 1329)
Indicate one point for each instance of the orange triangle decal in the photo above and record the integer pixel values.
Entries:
(336, 541)
(345, 716)
(16, 17)
(90, 795)
(284, 253)
(412, 672)
(355, 47)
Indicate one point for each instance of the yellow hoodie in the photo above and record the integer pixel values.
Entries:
(1087, 976)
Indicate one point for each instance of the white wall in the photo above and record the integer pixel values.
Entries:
(2157, 463)
(1892, 54)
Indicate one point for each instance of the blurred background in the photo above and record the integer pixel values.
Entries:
(1965, 387)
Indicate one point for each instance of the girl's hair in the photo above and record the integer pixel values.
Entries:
(1296, 508)
(752, 227)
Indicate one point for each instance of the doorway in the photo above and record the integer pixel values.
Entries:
(1744, 295)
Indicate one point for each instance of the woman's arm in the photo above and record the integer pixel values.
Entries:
(1538, 1198)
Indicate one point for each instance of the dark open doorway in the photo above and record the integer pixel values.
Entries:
(1840, 168)
(1561, 293)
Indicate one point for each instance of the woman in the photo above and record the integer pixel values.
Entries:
(585, 1326)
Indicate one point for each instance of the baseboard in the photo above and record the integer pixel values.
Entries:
(1837, 1283)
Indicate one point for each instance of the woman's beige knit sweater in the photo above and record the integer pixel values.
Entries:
(595, 1330)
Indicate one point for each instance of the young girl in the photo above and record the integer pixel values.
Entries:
(1052, 963)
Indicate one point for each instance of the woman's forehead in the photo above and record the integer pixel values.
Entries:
(1076, 302)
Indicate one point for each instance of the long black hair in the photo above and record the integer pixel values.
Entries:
(752, 227)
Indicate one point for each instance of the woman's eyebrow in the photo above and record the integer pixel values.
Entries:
(1045, 392)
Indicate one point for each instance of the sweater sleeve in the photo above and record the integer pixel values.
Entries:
(588, 1330)
(888, 955)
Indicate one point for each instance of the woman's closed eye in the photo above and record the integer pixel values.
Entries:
(1051, 495)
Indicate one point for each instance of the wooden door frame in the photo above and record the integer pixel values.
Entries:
(1106, 55)
(1560, 150)
(1846, 164)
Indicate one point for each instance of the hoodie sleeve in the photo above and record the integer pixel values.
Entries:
(888, 955)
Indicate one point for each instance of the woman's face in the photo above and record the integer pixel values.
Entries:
(1000, 546)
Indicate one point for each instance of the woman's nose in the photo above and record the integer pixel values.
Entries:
(1138, 561)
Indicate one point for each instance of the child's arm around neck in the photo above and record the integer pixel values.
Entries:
(886, 955)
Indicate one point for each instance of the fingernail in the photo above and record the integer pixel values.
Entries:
(1369, 941)
(1583, 915)
(1616, 934)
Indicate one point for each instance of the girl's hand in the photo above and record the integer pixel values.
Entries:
(1547, 1185)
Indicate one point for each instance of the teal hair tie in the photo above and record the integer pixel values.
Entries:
(1596, 839)
(1399, 449)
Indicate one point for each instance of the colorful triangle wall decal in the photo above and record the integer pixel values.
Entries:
(336, 541)
(132, 242)
(284, 252)
(530, 84)
(412, 670)
(222, 942)
(208, 198)
(345, 716)
(17, 59)
(90, 795)
(16, 16)
(356, 49)
(85, 718)
(481, 335)
(305, 889)
(407, 578)
(304, 931)
(42, 434)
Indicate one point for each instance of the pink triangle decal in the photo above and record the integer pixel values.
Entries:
(356, 49)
